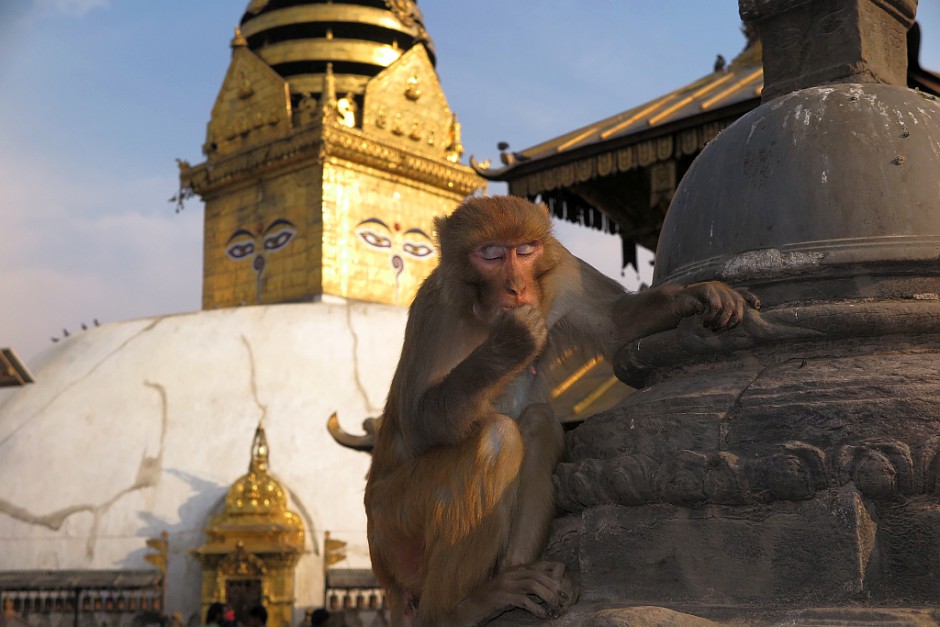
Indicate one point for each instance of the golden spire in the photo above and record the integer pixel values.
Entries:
(259, 451)
(238, 41)
(328, 96)
(257, 492)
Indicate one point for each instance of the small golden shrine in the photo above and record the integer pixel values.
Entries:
(253, 545)
(330, 149)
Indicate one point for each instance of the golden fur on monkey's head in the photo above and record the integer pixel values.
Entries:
(492, 220)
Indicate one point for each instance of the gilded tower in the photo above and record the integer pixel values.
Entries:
(330, 149)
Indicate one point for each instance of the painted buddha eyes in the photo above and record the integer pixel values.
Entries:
(374, 239)
(243, 242)
(377, 234)
(240, 250)
(278, 240)
(417, 250)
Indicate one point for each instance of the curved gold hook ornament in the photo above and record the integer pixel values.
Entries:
(364, 442)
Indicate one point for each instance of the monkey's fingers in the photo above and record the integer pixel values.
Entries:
(716, 302)
(732, 311)
(562, 590)
(750, 297)
(542, 584)
(687, 304)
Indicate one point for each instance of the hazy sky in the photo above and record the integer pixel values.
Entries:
(100, 96)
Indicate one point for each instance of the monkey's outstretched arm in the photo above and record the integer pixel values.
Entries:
(662, 308)
(598, 308)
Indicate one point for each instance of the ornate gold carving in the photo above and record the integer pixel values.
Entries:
(239, 41)
(405, 10)
(241, 563)
(417, 116)
(291, 150)
(346, 109)
(256, 6)
(646, 154)
(253, 106)
(245, 89)
(454, 149)
(412, 87)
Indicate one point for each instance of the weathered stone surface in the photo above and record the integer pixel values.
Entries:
(795, 552)
(809, 42)
(785, 472)
(805, 184)
(643, 617)
(594, 615)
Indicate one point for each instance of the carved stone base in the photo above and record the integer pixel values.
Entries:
(600, 615)
(793, 463)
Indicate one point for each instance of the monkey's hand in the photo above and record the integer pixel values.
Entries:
(518, 335)
(721, 306)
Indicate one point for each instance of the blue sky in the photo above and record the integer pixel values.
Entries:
(100, 96)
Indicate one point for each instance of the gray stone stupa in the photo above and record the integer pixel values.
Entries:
(787, 471)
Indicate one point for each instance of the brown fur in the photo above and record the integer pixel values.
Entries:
(459, 496)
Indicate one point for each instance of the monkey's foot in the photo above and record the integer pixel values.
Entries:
(543, 589)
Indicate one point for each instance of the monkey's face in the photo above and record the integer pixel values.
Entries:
(508, 276)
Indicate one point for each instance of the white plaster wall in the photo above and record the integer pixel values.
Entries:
(138, 427)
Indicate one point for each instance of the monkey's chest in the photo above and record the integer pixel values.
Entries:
(519, 394)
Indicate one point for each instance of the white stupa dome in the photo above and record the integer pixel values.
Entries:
(140, 427)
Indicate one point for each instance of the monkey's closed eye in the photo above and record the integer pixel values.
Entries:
(527, 249)
(492, 253)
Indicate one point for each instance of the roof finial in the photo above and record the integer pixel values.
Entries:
(328, 96)
(814, 42)
(259, 451)
(238, 41)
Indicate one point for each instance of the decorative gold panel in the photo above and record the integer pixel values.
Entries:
(378, 232)
(405, 106)
(253, 106)
(313, 83)
(262, 242)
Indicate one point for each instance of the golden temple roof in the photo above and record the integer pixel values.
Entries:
(256, 492)
(720, 97)
(298, 38)
(256, 510)
(741, 81)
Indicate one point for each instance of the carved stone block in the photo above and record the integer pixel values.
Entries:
(804, 551)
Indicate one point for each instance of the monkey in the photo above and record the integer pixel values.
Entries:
(459, 496)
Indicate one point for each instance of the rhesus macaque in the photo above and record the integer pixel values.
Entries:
(460, 496)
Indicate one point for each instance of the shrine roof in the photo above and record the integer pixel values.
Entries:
(709, 97)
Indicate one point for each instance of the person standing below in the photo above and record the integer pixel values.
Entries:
(214, 615)
(257, 617)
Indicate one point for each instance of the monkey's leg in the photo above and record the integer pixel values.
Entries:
(529, 453)
(544, 443)
(469, 515)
